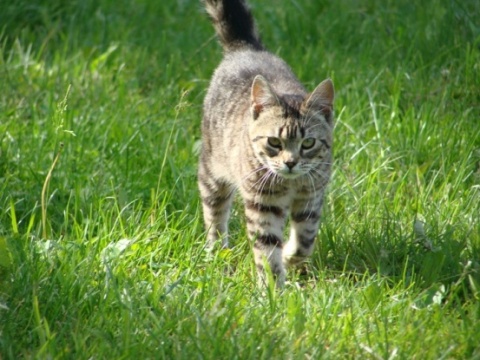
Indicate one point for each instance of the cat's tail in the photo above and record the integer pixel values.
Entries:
(234, 24)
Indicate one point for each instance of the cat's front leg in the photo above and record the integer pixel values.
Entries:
(217, 198)
(265, 223)
(305, 218)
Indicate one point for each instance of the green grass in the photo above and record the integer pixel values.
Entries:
(119, 271)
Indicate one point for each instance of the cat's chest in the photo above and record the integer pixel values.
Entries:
(282, 192)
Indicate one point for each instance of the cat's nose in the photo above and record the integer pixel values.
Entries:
(290, 164)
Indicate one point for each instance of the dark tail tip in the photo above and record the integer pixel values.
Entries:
(234, 24)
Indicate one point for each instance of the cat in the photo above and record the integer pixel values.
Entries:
(266, 137)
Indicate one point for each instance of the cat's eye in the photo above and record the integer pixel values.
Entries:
(308, 143)
(274, 142)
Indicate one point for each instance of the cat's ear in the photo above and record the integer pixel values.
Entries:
(262, 96)
(321, 99)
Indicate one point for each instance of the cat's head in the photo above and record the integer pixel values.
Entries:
(292, 134)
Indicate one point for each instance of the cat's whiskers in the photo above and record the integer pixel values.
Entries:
(254, 172)
(321, 164)
(264, 181)
(279, 179)
(319, 173)
(260, 183)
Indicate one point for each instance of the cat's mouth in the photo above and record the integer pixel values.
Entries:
(289, 174)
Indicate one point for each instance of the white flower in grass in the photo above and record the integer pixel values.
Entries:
(113, 250)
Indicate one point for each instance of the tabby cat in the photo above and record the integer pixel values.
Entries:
(265, 136)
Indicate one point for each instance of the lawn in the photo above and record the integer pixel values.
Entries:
(101, 234)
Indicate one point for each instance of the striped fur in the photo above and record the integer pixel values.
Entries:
(264, 136)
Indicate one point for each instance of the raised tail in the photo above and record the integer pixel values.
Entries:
(234, 24)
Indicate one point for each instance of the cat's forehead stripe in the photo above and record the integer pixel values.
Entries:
(291, 107)
(291, 131)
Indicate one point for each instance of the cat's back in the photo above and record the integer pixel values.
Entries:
(232, 80)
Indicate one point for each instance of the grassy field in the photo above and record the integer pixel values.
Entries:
(101, 236)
